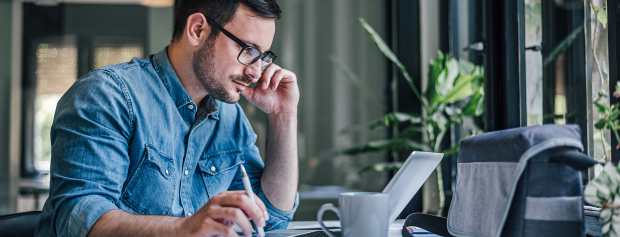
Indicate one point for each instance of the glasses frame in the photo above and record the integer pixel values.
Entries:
(244, 46)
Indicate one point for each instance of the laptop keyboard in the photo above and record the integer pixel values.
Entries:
(318, 233)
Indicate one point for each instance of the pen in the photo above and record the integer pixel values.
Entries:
(248, 188)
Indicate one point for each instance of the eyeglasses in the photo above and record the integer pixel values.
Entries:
(248, 54)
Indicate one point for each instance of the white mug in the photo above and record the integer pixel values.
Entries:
(361, 214)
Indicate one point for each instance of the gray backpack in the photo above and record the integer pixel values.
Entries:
(519, 182)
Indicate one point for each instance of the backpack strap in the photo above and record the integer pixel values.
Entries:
(575, 160)
(434, 224)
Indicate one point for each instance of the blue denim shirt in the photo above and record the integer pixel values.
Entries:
(129, 137)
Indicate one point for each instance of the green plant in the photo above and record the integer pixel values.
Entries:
(603, 191)
(609, 116)
(455, 91)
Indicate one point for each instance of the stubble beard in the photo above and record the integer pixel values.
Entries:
(203, 66)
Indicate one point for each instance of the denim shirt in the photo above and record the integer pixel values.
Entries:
(129, 137)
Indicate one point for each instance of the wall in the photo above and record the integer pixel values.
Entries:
(308, 37)
(9, 163)
(160, 22)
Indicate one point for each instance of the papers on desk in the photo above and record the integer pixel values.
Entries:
(336, 224)
(397, 226)
(328, 224)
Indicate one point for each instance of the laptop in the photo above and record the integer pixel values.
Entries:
(406, 183)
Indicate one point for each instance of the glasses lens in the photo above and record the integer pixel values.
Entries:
(249, 55)
(267, 60)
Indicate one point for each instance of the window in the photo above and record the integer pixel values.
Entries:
(55, 71)
(564, 79)
(59, 47)
(113, 55)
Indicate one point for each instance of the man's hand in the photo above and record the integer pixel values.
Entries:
(276, 91)
(216, 218)
(219, 215)
(277, 94)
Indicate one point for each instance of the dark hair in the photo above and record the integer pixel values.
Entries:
(221, 11)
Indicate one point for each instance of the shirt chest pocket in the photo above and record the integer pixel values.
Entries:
(151, 188)
(219, 169)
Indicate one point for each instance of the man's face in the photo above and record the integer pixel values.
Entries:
(215, 62)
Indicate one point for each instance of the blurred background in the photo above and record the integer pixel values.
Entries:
(478, 65)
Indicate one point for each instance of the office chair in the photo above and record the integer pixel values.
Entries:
(19, 224)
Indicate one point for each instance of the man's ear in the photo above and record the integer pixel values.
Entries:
(197, 29)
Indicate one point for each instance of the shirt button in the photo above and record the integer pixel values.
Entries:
(189, 214)
(213, 168)
(186, 172)
(166, 171)
(190, 106)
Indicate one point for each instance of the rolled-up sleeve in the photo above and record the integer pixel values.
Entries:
(90, 134)
(278, 219)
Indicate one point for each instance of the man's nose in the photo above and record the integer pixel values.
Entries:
(253, 70)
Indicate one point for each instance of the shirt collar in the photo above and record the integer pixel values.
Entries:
(209, 106)
(177, 92)
(171, 81)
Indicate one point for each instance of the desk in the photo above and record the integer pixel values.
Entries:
(395, 228)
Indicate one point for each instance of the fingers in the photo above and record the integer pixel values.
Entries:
(265, 78)
(247, 93)
(220, 229)
(259, 202)
(262, 206)
(276, 78)
(241, 200)
(227, 214)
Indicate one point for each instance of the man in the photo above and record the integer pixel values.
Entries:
(153, 147)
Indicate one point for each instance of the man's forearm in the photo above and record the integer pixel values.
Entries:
(281, 173)
(120, 223)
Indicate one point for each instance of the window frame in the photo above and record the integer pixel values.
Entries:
(613, 14)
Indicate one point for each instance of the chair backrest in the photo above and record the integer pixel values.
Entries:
(19, 224)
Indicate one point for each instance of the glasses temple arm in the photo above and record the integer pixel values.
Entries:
(231, 36)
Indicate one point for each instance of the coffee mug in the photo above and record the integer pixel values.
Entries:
(361, 214)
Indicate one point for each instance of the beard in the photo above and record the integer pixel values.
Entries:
(203, 66)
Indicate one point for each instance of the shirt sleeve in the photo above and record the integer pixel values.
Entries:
(254, 166)
(90, 134)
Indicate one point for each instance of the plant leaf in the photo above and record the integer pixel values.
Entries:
(452, 71)
(466, 67)
(614, 114)
(394, 144)
(453, 149)
(462, 89)
(601, 107)
(441, 80)
(562, 46)
(381, 167)
(434, 69)
(390, 55)
(475, 106)
(600, 124)
(601, 14)
(452, 111)
(395, 118)
(410, 132)
(480, 107)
